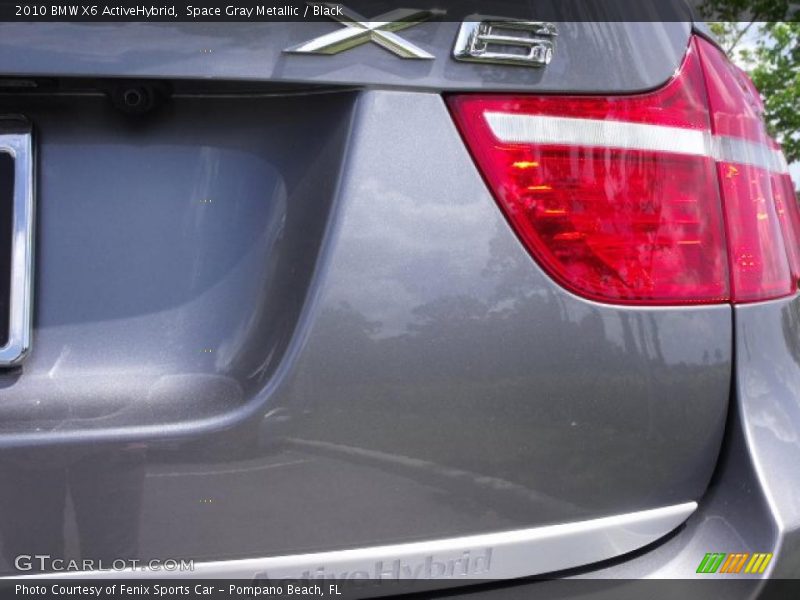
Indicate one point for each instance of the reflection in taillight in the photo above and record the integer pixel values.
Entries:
(758, 255)
(671, 197)
(789, 217)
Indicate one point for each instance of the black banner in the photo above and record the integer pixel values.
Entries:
(452, 10)
(731, 588)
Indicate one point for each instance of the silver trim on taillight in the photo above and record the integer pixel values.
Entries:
(737, 150)
(540, 129)
(513, 128)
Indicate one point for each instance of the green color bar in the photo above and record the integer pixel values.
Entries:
(717, 563)
(711, 562)
(702, 567)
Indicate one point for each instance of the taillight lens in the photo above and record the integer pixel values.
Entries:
(789, 217)
(758, 255)
(618, 198)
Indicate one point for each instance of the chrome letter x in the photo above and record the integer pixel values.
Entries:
(359, 31)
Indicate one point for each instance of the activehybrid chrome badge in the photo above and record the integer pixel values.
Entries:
(358, 30)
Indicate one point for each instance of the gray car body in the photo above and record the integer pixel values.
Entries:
(289, 308)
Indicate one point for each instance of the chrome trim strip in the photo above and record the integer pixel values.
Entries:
(542, 129)
(505, 555)
(16, 140)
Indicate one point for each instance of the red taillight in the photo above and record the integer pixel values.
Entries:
(758, 255)
(789, 217)
(618, 198)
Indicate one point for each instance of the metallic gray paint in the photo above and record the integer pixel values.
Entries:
(436, 382)
(752, 503)
(644, 56)
(204, 234)
(768, 393)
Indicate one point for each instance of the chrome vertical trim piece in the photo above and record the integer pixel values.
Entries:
(15, 139)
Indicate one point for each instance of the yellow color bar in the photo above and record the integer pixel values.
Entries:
(758, 563)
(767, 558)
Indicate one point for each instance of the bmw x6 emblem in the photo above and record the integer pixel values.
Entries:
(358, 30)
